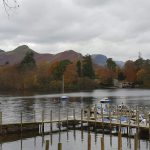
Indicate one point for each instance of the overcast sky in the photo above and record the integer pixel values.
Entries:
(116, 28)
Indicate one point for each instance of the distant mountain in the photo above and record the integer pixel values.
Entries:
(99, 59)
(1, 51)
(15, 56)
(69, 54)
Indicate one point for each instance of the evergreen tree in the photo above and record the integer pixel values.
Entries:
(60, 69)
(111, 64)
(87, 68)
(79, 69)
(28, 63)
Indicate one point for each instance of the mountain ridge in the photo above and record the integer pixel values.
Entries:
(15, 56)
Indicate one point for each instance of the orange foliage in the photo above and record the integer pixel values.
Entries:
(104, 74)
(70, 74)
(130, 71)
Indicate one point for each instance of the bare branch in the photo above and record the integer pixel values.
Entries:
(10, 5)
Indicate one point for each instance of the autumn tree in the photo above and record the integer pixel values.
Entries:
(43, 76)
(105, 76)
(71, 77)
(130, 71)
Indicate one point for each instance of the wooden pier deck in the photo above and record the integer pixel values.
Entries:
(91, 119)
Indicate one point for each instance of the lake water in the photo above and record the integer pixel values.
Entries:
(32, 105)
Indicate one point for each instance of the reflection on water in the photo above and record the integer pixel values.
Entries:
(32, 106)
(72, 140)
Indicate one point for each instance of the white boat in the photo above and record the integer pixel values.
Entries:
(64, 97)
(105, 100)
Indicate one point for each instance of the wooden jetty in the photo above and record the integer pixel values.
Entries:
(94, 120)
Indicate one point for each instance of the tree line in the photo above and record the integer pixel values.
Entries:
(78, 75)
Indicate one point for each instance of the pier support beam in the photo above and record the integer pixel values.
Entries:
(1, 122)
(89, 141)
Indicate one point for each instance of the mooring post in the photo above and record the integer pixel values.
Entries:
(117, 114)
(129, 121)
(102, 143)
(88, 115)
(102, 117)
(95, 114)
(120, 121)
(138, 125)
(110, 115)
(21, 121)
(81, 118)
(67, 118)
(89, 141)
(74, 116)
(34, 120)
(47, 145)
(136, 115)
(51, 120)
(149, 124)
(119, 141)
(42, 121)
(59, 146)
(59, 120)
(135, 142)
(1, 116)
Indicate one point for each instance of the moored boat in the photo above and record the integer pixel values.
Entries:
(105, 100)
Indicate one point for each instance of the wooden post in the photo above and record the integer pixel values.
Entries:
(67, 118)
(110, 115)
(59, 146)
(42, 121)
(95, 115)
(120, 121)
(102, 116)
(135, 142)
(21, 122)
(59, 120)
(136, 115)
(117, 114)
(119, 141)
(129, 121)
(102, 143)
(88, 116)
(51, 118)
(74, 117)
(138, 125)
(34, 120)
(1, 116)
(81, 118)
(89, 141)
(149, 123)
(47, 145)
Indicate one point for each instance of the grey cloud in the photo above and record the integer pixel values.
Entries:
(92, 3)
(110, 27)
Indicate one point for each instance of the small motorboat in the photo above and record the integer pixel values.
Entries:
(105, 100)
(64, 97)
